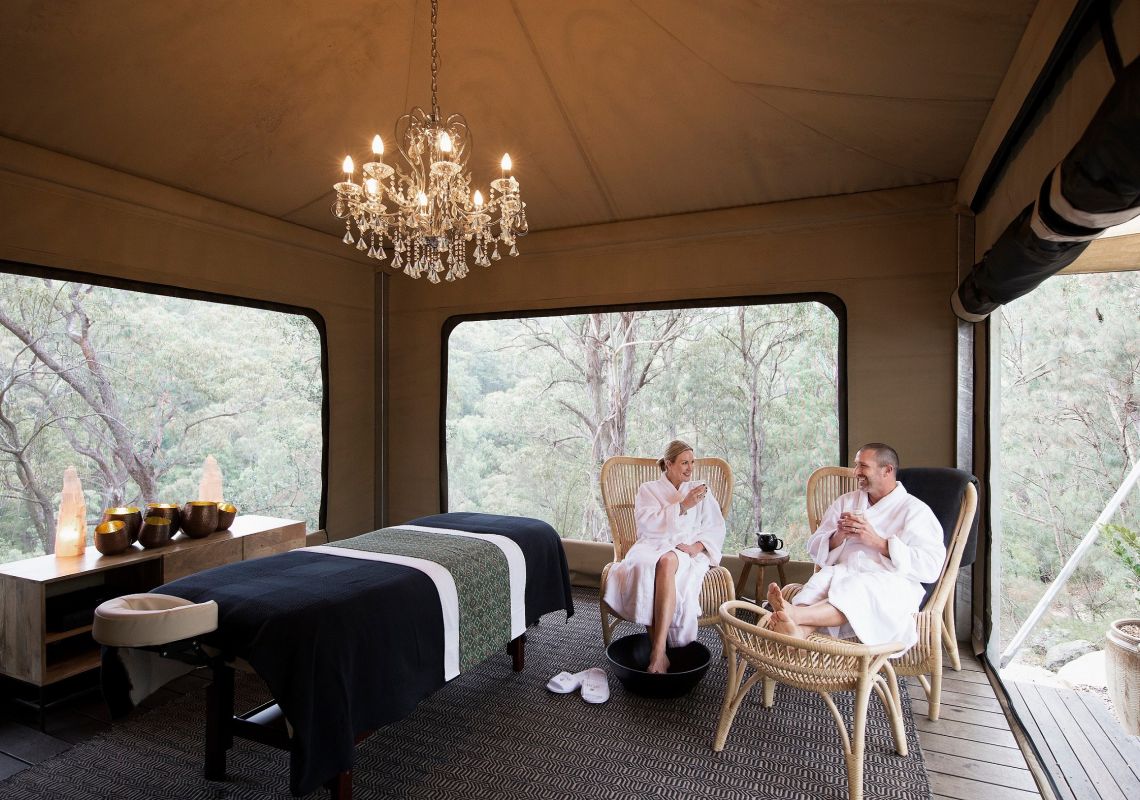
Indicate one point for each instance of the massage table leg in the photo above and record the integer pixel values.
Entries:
(517, 649)
(219, 717)
(340, 787)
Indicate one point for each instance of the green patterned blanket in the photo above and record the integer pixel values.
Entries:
(482, 582)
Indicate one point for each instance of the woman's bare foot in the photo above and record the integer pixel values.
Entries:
(658, 664)
(780, 622)
(775, 597)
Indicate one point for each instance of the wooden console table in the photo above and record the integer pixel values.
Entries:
(48, 603)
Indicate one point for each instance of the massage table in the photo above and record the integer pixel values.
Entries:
(348, 636)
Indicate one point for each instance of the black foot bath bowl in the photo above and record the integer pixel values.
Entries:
(629, 657)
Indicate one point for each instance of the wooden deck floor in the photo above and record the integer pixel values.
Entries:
(1080, 744)
(971, 751)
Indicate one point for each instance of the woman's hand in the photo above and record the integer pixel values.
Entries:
(692, 549)
(694, 497)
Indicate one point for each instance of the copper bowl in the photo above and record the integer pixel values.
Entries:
(130, 516)
(199, 518)
(111, 538)
(168, 510)
(227, 513)
(155, 532)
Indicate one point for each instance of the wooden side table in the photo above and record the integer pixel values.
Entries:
(754, 556)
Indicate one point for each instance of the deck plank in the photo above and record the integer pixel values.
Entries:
(958, 788)
(997, 774)
(968, 676)
(1127, 747)
(964, 730)
(1057, 754)
(961, 700)
(968, 748)
(964, 687)
(1087, 753)
(988, 719)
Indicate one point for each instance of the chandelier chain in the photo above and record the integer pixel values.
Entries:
(434, 58)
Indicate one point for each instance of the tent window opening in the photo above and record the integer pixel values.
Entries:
(535, 405)
(135, 389)
(1069, 436)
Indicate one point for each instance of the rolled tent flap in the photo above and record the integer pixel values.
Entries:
(1095, 187)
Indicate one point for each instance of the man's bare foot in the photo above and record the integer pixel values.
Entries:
(659, 664)
(775, 597)
(780, 622)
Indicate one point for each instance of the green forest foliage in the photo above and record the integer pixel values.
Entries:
(135, 390)
(534, 406)
(1070, 432)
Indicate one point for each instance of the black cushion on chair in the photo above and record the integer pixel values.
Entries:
(943, 489)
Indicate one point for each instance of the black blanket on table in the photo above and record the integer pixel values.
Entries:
(346, 645)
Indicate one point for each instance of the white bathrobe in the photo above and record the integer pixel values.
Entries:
(878, 594)
(660, 528)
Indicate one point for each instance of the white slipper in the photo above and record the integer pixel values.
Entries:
(595, 686)
(566, 682)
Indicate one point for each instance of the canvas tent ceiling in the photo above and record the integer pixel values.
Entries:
(612, 110)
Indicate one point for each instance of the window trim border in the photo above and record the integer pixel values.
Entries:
(166, 290)
(829, 300)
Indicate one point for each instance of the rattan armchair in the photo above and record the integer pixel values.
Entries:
(935, 620)
(621, 477)
(819, 664)
(824, 487)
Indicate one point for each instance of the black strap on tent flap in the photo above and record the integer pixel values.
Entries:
(1096, 186)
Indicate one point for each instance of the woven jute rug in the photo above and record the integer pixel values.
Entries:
(495, 733)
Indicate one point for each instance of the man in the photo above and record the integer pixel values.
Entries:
(875, 547)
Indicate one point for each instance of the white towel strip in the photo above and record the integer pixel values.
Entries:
(516, 566)
(444, 584)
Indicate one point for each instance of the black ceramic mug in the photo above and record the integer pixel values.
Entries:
(769, 542)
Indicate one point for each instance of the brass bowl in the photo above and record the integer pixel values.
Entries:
(155, 532)
(199, 518)
(111, 538)
(227, 513)
(129, 515)
(168, 510)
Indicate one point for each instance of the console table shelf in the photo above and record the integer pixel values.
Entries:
(46, 593)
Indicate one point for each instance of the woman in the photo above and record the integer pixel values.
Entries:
(680, 532)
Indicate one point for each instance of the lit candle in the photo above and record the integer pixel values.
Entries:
(506, 164)
(478, 200)
(378, 148)
(348, 169)
(444, 142)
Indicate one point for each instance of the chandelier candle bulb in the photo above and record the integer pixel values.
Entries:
(348, 169)
(505, 164)
(378, 147)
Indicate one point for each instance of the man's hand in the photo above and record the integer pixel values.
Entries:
(692, 549)
(856, 526)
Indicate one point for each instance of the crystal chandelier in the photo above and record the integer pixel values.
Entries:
(425, 208)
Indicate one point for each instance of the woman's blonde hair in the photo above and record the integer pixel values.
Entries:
(675, 448)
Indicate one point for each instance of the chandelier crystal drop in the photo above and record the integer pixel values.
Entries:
(423, 210)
